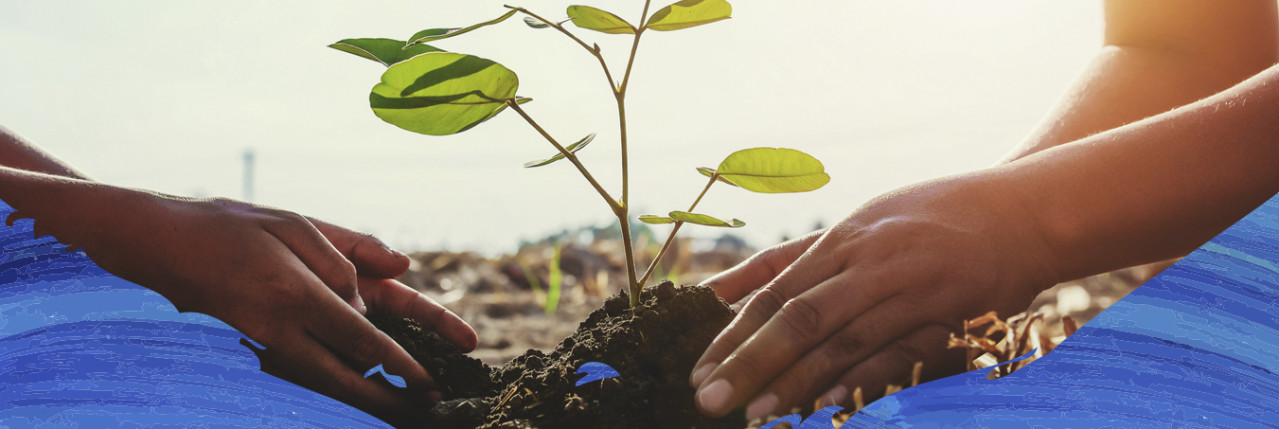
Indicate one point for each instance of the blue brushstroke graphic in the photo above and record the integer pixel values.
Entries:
(1198, 346)
(595, 371)
(82, 348)
(395, 380)
(821, 419)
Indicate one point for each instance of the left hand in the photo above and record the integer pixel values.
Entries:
(859, 304)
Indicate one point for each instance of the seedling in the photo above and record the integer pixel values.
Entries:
(431, 91)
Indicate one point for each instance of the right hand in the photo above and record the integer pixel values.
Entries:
(859, 304)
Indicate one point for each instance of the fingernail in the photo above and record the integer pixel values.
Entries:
(715, 396)
(359, 304)
(388, 249)
(833, 397)
(762, 407)
(701, 373)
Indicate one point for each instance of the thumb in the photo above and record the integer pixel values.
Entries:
(372, 257)
(735, 283)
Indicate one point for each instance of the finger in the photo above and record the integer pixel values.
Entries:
(320, 257)
(397, 299)
(372, 257)
(301, 359)
(355, 339)
(813, 267)
(798, 329)
(848, 347)
(894, 364)
(735, 283)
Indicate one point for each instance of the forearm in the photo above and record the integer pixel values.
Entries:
(1158, 56)
(1156, 188)
(16, 153)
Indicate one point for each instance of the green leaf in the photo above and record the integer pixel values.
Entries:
(702, 219)
(444, 33)
(573, 148)
(385, 51)
(535, 23)
(441, 93)
(774, 170)
(655, 220)
(710, 172)
(689, 13)
(599, 20)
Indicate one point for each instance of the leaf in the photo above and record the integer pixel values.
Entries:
(385, 51)
(599, 20)
(774, 170)
(710, 172)
(441, 93)
(655, 220)
(702, 219)
(573, 148)
(444, 33)
(689, 13)
(535, 23)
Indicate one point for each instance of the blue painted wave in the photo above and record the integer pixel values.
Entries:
(1197, 346)
(82, 348)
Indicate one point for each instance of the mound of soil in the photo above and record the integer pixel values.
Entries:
(652, 348)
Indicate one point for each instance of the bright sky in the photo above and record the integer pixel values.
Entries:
(167, 96)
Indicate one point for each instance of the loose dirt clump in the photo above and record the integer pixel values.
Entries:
(653, 348)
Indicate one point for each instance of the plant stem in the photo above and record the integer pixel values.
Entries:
(595, 51)
(569, 155)
(671, 238)
(623, 215)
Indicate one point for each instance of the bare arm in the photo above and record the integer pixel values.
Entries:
(287, 281)
(17, 153)
(1159, 55)
(858, 305)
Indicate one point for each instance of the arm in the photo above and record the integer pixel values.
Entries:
(275, 276)
(17, 153)
(859, 304)
(1159, 55)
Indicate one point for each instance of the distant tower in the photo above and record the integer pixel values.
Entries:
(248, 175)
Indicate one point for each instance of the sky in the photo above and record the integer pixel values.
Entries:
(168, 96)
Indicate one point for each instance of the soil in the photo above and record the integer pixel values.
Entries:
(652, 348)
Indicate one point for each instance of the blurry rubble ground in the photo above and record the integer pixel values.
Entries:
(506, 298)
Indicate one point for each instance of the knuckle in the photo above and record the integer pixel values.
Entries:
(768, 301)
(369, 346)
(906, 352)
(341, 276)
(801, 317)
(845, 345)
(744, 366)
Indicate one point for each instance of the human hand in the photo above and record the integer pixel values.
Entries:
(858, 305)
(372, 258)
(269, 273)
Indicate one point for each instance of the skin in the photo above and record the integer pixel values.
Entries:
(295, 285)
(1166, 140)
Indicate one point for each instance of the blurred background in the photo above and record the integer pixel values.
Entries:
(244, 100)
(170, 95)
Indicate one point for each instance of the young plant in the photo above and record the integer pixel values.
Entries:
(431, 91)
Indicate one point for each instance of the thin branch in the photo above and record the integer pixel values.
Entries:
(626, 79)
(595, 51)
(671, 238)
(569, 155)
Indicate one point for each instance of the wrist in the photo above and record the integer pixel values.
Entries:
(988, 207)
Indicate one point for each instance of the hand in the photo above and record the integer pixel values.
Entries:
(861, 303)
(271, 274)
(371, 258)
